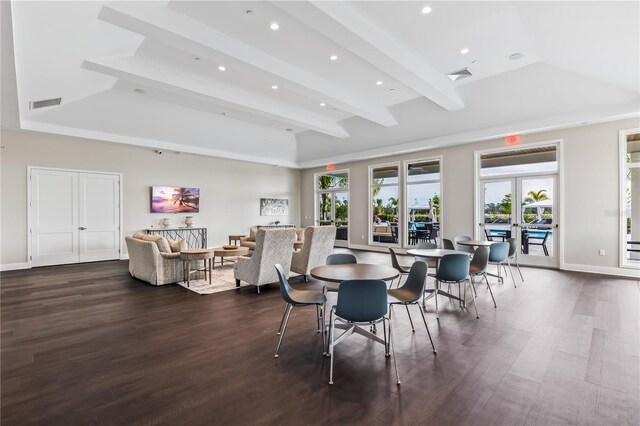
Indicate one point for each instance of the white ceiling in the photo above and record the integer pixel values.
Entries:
(581, 64)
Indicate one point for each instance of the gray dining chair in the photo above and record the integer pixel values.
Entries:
(498, 255)
(410, 294)
(403, 270)
(295, 299)
(478, 268)
(453, 269)
(461, 247)
(431, 262)
(338, 259)
(513, 249)
(361, 302)
(448, 244)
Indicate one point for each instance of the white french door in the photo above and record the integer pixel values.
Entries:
(526, 208)
(75, 217)
(333, 209)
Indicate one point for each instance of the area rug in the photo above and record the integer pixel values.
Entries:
(221, 280)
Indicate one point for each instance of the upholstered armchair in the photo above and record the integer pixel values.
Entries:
(272, 246)
(318, 244)
(147, 263)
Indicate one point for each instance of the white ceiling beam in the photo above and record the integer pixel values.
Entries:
(161, 23)
(150, 74)
(341, 23)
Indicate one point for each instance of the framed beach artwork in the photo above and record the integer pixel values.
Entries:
(175, 199)
(274, 206)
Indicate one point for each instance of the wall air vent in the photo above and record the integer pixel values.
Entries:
(45, 103)
(460, 74)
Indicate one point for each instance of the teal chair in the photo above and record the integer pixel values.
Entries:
(448, 244)
(478, 268)
(338, 259)
(499, 256)
(295, 299)
(453, 269)
(460, 246)
(361, 303)
(410, 293)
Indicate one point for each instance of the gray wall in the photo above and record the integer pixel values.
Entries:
(590, 194)
(230, 190)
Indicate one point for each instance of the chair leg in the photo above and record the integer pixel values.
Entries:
(490, 292)
(324, 341)
(258, 288)
(427, 327)
(436, 297)
(410, 320)
(513, 278)
(384, 332)
(284, 328)
(284, 314)
(475, 304)
(519, 271)
(546, 251)
(473, 285)
(331, 337)
(393, 351)
(318, 318)
(306, 278)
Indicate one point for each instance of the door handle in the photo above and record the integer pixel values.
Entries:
(82, 228)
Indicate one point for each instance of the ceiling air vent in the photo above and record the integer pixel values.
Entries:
(460, 74)
(45, 103)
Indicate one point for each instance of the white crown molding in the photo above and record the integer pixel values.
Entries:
(148, 143)
(599, 115)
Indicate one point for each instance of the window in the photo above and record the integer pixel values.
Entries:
(384, 192)
(519, 161)
(423, 201)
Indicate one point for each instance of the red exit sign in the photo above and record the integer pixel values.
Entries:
(512, 139)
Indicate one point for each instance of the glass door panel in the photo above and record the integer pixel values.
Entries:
(341, 217)
(325, 208)
(537, 220)
(497, 211)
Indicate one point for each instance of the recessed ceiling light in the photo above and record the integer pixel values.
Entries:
(392, 89)
(460, 74)
(140, 91)
(334, 109)
(323, 104)
(289, 130)
(196, 58)
(274, 26)
(426, 10)
(222, 68)
(274, 87)
(474, 62)
(223, 114)
(464, 51)
(333, 57)
(379, 83)
(249, 12)
(516, 56)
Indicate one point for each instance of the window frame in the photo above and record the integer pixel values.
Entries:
(622, 169)
(405, 186)
(370, 208)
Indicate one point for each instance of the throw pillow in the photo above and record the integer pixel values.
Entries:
(252, 233)
(138, 235)
(176, 246)
(161, 242)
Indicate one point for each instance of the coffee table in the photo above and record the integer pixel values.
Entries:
(222, 252)
(188, 255)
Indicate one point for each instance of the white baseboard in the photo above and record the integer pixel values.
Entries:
(14, 266)
(607, 270)
(124, 256)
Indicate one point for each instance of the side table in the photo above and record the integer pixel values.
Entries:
(235, 239)
(188, 255)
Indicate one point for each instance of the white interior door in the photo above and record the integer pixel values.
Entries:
(54, 217)
(75, 217)
(99, 217)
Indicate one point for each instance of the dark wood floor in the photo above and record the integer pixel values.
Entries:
(88, 344)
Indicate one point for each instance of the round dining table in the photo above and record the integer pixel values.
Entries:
(476, 243)
(354, 271)
(434, 253)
